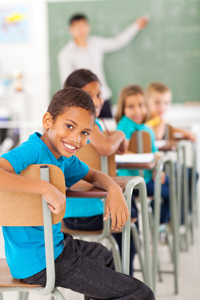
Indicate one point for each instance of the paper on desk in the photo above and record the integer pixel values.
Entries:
(135, 158)
(160, 143)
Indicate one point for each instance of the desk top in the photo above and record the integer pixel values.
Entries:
(83, 189)
(136, 166)
(169, 146)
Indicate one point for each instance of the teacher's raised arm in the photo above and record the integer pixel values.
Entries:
(84, 51)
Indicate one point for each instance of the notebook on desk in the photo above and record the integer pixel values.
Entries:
(135, 158)
(160, 143)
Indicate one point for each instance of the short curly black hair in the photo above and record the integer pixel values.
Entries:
(70, 97)
(77, 17)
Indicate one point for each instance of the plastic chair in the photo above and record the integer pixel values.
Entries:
(35, 212)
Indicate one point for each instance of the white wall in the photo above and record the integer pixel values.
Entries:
(30, 58)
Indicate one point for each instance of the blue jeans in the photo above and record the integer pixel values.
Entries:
(189, 178)
(165, 192)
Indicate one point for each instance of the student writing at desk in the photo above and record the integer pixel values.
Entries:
(81, 266)
(130, 117)
(85, 51)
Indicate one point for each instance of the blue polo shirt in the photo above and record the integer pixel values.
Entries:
(128, 127)
(85, 207)
(24, 246)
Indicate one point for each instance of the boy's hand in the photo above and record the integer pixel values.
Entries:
(55, 199)
(116, 206)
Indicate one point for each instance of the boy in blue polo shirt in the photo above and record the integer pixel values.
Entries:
(81, 266)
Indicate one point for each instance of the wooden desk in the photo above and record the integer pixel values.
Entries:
(83, 189)
(136, 166)
(169, 146)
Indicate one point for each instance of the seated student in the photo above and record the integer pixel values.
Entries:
(81, 266)
(159, 97)
(130, 117)
(88, 213)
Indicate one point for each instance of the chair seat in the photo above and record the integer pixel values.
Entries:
(65, 229)
(6, 279)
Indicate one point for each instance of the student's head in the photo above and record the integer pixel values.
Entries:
(89, 82)
(131, 103)
(79, 26)
(159, 98)
(68, 121)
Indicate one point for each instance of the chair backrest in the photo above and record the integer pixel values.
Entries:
(169, 133)
(172, 134)
(92, 158)
(23, 209)
(140, 142)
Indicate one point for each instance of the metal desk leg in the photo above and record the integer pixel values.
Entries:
(194, 205)
(137, 182)
(182, 149)
(157, 203)
(115, 252)
(57, 295)
(173, 209)
(25, 296)
(134, 233)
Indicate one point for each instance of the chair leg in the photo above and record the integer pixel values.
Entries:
(57, 295)
(169, 244)
(151, 221)
(159, 272)
(138, 248)
(116, 254)
(23, 295)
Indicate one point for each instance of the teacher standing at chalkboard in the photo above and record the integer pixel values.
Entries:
(86, 52)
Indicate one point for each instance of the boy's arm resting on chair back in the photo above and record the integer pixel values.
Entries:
(11, 182)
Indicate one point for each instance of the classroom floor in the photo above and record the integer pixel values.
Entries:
(188, 279)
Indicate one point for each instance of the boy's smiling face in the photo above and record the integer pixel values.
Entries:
(69, 132)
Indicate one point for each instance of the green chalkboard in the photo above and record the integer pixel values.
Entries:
(168, 50)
